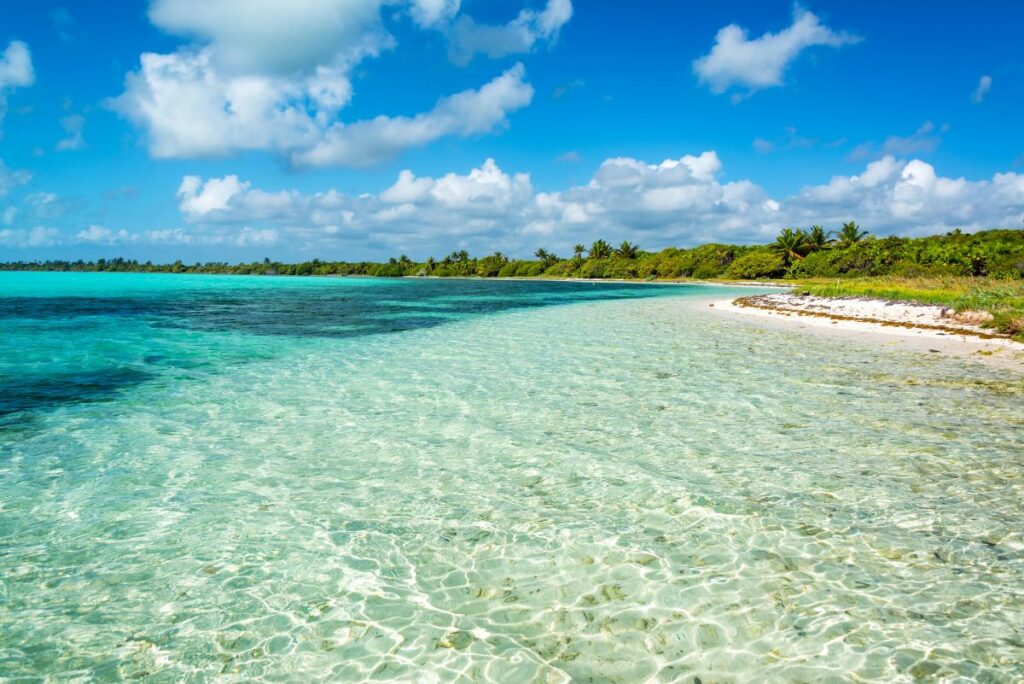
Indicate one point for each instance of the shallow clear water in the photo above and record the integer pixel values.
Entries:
(333, 479)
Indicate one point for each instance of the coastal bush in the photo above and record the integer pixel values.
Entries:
(562, 269)
(756, 265)
(994, 253)
(998, 253)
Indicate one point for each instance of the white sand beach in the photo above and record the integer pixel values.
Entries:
(916, 327)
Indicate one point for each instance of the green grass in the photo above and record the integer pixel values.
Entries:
(1004, 299)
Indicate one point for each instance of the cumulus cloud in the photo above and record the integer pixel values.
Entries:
(199, 199)
(529, 29)
(467, 113)
(680, 201)
(279, 79)
(911, 198)
(15, 71)
(683, 201)
(190, 109)
(984, 85)
(269, 36)
(736, 60)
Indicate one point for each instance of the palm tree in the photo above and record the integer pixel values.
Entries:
(791, 244)
(818, 238)
(627, 250)
(851, 233)
(430, 263)
(577, 253)
(600, 250)
(462, 255)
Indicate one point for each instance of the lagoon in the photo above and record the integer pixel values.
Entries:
(327, 479)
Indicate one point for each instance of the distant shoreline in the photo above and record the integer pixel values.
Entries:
(542, 279)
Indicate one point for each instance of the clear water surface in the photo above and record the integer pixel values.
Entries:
(301, 479)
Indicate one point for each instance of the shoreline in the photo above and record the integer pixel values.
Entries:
(900, 325)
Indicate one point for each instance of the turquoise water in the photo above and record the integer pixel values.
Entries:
(278, 479)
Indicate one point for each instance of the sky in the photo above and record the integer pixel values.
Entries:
(230, 130)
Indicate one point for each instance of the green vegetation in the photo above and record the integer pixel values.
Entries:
(795, 254)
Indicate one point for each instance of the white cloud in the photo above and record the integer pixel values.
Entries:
(984, 85)
(530, 28)
(737, 61)
(73, 126)
(676, 202)
(487, 188)
(15, 71)
(189, 109)
(274, 37)
(16, 66)
(100, 235)
(271, 76)
(467, 113)
(911, 198)
(198, 199)
(681, 202)
(432, 13)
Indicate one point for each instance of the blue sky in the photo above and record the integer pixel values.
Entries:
(352, 129)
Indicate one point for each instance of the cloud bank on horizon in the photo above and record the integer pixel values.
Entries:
(284, 81)
(675, 201)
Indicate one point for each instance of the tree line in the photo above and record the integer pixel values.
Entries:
(795, 253)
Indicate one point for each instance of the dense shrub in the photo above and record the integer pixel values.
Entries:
(756, 265)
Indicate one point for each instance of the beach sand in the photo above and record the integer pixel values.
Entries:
(907, 326)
